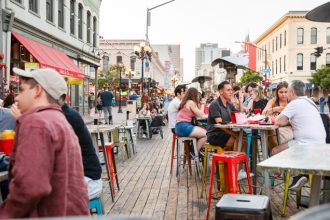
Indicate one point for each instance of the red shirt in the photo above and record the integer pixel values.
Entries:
(46, 175)
(145, 99)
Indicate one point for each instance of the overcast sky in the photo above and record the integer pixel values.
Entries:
(191, 22)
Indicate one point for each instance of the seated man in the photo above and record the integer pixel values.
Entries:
(306, 122)
(220, 112)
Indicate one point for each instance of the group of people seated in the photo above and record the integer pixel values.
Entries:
(296, 115)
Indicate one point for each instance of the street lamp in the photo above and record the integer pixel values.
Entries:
(120, 67)
(149, 16)
(262, 49)
(142, 52)
(129, 73)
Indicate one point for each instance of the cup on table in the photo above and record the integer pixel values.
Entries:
(7, 141)
(257, 111)
(233, 117)
(240, 117)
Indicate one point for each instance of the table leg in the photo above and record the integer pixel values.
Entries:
(240, 140)
(264, 146)
(254, 162)
(315, 191)
(106, 162)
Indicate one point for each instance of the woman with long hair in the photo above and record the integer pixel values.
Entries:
(257, 100)
(191, 106)
(279, 102)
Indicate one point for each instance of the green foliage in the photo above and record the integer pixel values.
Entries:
(110, 77)
(250, 76)
(321, 77)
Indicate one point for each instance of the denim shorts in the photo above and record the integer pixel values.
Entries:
(183, 129)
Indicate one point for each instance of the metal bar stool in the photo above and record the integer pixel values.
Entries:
(207, 148)
(231, 160)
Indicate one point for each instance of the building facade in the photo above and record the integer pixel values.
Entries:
(289, 45)
(122, 51)
(61, 34)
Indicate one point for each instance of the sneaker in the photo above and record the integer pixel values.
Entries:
(297, 182)
(242, 175)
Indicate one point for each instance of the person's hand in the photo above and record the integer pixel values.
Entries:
(14, 111)
(240, 96)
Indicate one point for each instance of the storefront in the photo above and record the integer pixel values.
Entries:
(28, 54)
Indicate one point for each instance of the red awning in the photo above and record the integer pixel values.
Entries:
(50, 57)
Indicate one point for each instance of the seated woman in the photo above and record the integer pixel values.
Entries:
(257, 100)
(273, 108)
(190, 106)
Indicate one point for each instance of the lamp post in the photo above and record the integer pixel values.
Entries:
(149, 16)
(142, 52)
(120, 67)
(129, 73)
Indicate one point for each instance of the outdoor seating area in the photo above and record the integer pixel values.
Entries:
(148, 189)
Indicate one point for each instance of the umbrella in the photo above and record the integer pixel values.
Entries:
(320, 13)
(201, 80)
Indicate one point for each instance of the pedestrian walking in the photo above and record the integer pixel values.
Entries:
(106, 100)
(46, 175)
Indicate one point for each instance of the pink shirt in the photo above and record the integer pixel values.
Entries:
(185, 115)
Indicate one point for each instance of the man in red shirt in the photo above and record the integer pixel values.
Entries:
(46, 175)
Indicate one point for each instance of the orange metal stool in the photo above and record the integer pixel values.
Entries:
(231, 159)
(172, 152)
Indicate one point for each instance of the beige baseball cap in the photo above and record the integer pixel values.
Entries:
(49, 79)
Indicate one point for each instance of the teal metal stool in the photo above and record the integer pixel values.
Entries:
(97, 205)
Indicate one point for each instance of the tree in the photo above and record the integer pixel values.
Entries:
(109, 77)
(321, 77)
(250, 76)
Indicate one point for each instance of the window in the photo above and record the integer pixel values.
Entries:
(300, 35)
(49, 10)
(327, 62)
(275, 66)
(284, 63)
(313, 61)
(272, 68)
(300, 59)
(61, 13)
(94, 31)
(72, 14)
(280, 41)
(88, 27)
(132, 64)
(284, 38)
(280, 64)
(276, 42)
(328, 35)
(33, 6)
(119, 59)
(105, 62)
(80, 21)
(313, 35)
(18, 1)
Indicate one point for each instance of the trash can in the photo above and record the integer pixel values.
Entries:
(131, 109)
(240, 206)
(7, 141)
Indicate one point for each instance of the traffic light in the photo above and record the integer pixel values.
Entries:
(318, 51)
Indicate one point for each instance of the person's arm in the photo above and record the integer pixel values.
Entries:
(250, 105)
(31, 173)
(281, 120)
(193, 107)
(268, 110)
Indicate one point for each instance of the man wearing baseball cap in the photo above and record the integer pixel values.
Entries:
(46, 175)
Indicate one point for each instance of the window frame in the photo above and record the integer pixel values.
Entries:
(60, 14)
(313, 61)
(328, 35)
(314, 35)
(88, 32)
(72, 17)
(327, 59)
(94, 30)
(50, 11)
(302, 61)
(80, 21)
(35, 3)
(300, 41)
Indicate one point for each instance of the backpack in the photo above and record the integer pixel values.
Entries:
(326, 122)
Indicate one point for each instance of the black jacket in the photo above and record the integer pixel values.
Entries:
(91, 163)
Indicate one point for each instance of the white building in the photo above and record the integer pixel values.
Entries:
(61, 34)
(290, 45)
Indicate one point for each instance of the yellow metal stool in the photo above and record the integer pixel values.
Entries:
(286, 191)
(218, 149)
